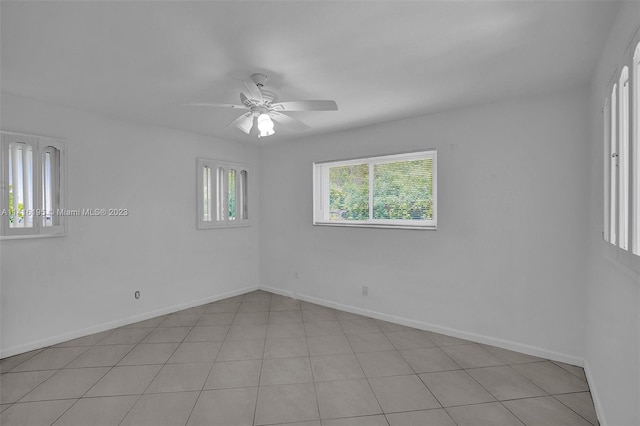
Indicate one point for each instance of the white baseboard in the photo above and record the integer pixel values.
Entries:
(49, 341)
(479, 338)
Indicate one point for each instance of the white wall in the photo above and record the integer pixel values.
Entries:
(508, 259)
(57, 288)
(612, 350)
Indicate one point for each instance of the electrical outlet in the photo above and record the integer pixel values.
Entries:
(137, 294)
(365, 290)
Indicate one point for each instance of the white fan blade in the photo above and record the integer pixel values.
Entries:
(253, 92)
(305, 106)
(244, 123)
(214, 104)
(292, 123)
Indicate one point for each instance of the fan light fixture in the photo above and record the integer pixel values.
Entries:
(265, 126)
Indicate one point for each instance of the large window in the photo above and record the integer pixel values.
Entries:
(622, 161)
(32, 186)
(385, 191)
(222, 194)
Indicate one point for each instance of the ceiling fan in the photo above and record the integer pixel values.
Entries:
(264, 105)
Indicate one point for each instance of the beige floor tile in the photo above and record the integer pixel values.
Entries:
(51, 359)
(544, 411)
(149, 353)
(225, 318)
(436, 417)
(180, 378)
(254, 307)
(66, 384)
(329, 345)
(323, 328)
(494, 414)
(505, 383)
(336, 367)
(370, 342)
(101, 356)
(234, 374)
(386, 326)
(223, 307)
(195, 352)
(244, 318)
(150, 323)
(402, 393)
(286, 404)
(167, 335)
(41, 413)
(281, 305)
(551, 378)
(105, 411)
(247, 332)
(375, 420)
(127, 380)
(7, 364)
(349, 398)
(284, 371)
(427, 360)
(379, 364)
(357, 326)
(510, 357)
(125, 336)
(236, 350)
(276, 317)
(581, 403)
(89, 340)
(319, 315)
(225, 407)
(409, 339)
(207, 333)
(180, 320)
(455, 388)
(285, 330)
(161, 409)
(444, 340)
(14, 386)
(471, 356)
(573, 369)
(286, 347)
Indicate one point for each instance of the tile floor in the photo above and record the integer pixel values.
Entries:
(264, 359)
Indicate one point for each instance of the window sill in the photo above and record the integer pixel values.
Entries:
(622, 259)
(376, 225)
(31, 236)
(235, 225)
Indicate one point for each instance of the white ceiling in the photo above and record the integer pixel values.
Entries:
(380, 60)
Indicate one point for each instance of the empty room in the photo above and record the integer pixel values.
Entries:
(320, 213)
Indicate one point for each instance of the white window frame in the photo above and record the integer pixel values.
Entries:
(39, 145)
(218, 199)
(321, 192)
(622, 161)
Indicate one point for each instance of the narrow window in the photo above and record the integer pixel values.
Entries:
(613, 168)
(222, 194)
(232, 194)
(623, 160)
(243, 207)
(606, 113)
(32, 194)
(636, 151)
(206, 193)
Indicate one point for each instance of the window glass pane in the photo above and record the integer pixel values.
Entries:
(50, 186)
(220, 194)
(206, 188)
(243, 209)
(232, 194)
(623, 160)
(403, 190)
(636, 150)
(613, 168)
(349, 192)
(20, 185)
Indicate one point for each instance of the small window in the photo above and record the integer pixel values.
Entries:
(33, 188)
(394, 191)
(635, 212)
(613, 168)
(222, 194)
(623, 160)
